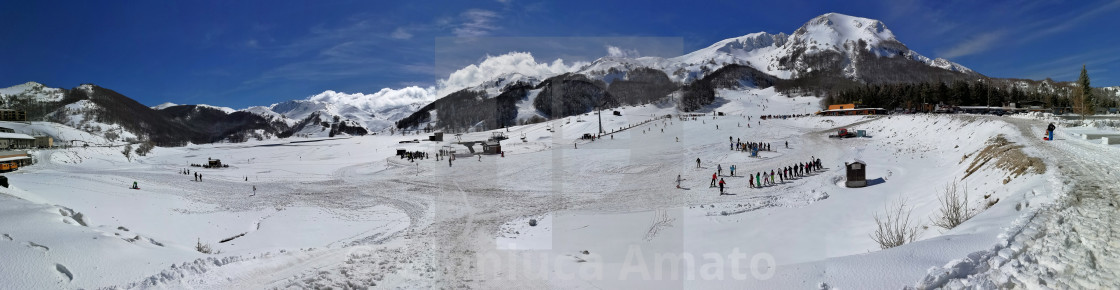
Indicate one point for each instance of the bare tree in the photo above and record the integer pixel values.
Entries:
(895, 227)
(954, 209)
(204, 248)
(127, 152)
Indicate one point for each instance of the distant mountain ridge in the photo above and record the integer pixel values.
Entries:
(118, 118)
(827, 52)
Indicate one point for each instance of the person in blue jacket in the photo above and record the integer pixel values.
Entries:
(1050, 131)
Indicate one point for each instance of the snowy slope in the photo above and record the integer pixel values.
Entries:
(63, 135)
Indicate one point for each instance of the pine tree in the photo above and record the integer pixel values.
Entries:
(1085, 98)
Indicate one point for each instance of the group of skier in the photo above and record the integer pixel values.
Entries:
(749, 146)
(783, 117)
(780, 175)
(412, 156)
(197, 176)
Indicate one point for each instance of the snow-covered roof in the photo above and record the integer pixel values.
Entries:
(15, 136)
(14, 158)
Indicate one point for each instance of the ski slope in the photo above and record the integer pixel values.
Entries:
(346, 212)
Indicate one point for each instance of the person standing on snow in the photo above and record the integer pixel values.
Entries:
(721, 183)
(1050, 131)
(713, 180)
(732, 169)
(678, 181)
(719, 169)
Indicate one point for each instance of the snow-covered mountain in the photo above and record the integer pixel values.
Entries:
(1113, 92)
(831, 39)
(35, 91)
(829, 50)
(118, 118)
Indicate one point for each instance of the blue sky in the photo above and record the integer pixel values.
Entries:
(243, 53)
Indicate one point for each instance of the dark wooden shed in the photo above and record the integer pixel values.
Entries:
(857, 174)
(492, 147)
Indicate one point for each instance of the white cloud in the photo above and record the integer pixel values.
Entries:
(495, 66)
(400, 33)
(383, 99)
(973, 45)
(476, 23)
(614, 51)
(469, 76)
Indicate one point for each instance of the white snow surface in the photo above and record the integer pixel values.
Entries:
(345, 212)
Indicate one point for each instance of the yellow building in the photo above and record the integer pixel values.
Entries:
(841, 106)
(44, 141)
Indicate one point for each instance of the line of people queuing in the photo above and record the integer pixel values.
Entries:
(780, 175)
(765, 117)
(765, 179)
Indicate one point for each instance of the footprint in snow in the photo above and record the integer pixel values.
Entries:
(62, 270)
(34, 245)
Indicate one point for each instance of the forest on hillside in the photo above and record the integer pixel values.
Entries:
(959, 93)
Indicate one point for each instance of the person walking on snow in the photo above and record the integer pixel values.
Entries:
(678, 181)
(713, 180)
(1050, 131)
(721, 183)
